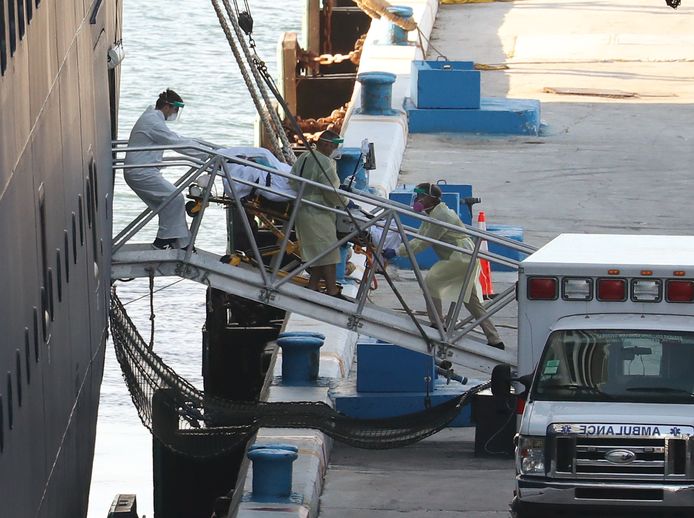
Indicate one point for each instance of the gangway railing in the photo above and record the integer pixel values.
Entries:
(278, 284)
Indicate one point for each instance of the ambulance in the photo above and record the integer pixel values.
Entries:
(606, 357)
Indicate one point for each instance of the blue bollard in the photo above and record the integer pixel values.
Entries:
(274, 446)
(300, 359)
(351, 163)
(396, 35)
(272, 472)
(376, 93)
(312, 334)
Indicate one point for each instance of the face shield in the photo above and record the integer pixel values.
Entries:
(420, 197)
(336, 153)
(176, 114)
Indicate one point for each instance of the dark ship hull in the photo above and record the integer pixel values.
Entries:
(58, 106)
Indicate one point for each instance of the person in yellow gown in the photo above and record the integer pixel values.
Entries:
(446, 277)
(315, 227)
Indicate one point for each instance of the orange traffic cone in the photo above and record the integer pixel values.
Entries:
(485, 268)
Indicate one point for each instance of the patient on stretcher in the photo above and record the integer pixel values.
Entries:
(279, 184)
(283, 192)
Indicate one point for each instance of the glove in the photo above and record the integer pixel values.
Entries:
(352, 205)
(389, 254)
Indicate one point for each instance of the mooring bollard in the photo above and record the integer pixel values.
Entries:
(396, 35)
(300, 359)
(376, 93)
(312, 334)
(272, 471)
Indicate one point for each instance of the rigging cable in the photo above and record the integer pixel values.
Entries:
(264, 118)
(274, 120)
(253, 61)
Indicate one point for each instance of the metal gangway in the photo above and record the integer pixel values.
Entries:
(276, 284)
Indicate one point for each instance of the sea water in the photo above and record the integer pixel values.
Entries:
(177, 45)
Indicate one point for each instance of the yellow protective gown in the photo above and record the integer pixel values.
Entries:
(315, 227)
(446, 277)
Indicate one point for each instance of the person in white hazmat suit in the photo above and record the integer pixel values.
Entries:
(149, 183)
(315, 227)
(447, 275)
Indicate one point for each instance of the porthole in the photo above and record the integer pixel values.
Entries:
(66, 240)
(27, 356)
(18, 377)
(90, 200)
(10, 410)
(95, 186)
(2, 426)
(36, 335)
(44, 313)
(51, 305)
(80, 211)
(74, 238)
(59, 274)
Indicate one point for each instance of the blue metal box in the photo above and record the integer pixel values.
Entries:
(384, 367)
(511, 232)
(445, 85)
(494, 116)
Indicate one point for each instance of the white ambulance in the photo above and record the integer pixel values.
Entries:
(606, 344)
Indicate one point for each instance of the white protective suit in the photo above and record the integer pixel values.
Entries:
(149, 183)
(257, 176)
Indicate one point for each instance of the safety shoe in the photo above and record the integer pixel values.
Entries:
(340, 296)
(164, 244)
(499, 346)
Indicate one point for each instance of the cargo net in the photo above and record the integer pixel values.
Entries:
(194, 424)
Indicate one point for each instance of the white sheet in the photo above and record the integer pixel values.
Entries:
(393, 239)
(278, 183)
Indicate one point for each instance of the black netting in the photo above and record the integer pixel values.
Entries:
(189, 422)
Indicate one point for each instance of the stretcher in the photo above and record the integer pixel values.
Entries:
(271, 209)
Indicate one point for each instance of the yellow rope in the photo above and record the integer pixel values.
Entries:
(379, 9)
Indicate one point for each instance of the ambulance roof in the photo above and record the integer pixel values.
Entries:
(614, 250)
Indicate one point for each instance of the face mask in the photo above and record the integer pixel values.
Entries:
(418, 206)
(173, 117)
(336, 154)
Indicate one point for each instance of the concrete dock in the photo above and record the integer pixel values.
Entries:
(615, 156)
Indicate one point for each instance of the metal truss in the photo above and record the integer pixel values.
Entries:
(267, 281)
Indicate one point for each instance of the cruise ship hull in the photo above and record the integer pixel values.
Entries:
(58, 101)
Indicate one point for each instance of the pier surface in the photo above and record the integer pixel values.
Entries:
(615, 161)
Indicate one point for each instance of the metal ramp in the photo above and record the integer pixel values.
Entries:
(277, 286)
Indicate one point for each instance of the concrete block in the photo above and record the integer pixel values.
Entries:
(373, 405)
(445, 84)
(384, 367)
(495, 116)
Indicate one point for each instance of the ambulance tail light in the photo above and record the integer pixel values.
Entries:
(612, 290)
(679, 290)
(520, 405)
(646, 290)
(573, 288)
(543, 288)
